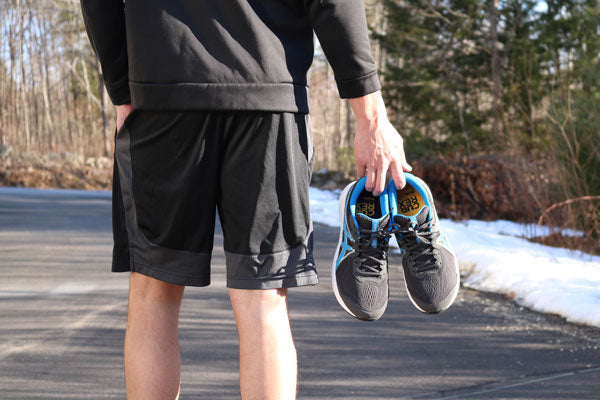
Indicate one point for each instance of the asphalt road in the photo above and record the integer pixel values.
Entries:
(62, 320)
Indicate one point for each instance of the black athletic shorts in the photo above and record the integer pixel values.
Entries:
(174, 169)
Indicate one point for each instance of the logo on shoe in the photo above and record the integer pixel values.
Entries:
(366, 206)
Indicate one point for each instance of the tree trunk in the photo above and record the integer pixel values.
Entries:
(496, 71)
(88, 94)
(24, 103)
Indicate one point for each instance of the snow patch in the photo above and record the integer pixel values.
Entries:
(495, 257)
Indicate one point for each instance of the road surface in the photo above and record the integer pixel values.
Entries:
(62, 320)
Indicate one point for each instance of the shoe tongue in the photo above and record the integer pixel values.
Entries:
(402, 222)
(384, 222)
(405, 222)
(371, 224)
(366, 223)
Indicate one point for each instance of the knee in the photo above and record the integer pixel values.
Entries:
(258, 302)
(146, 288)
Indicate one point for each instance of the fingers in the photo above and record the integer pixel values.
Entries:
(405, 166)
(123, 111)
(376, 176)
(380, 182)
(371, 178)
(376, 150)
(397, 168)
(381, 173)
(398, 175)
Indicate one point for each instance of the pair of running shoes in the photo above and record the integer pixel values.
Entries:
(360, 266)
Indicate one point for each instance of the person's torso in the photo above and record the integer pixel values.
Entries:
(233, 47)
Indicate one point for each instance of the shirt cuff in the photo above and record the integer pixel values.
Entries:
(358, 87)
(119, 94)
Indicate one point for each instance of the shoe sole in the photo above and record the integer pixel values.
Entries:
(454, 293)
(342, 213)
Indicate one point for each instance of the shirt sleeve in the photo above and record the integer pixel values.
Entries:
(341, 27)
(105, 26)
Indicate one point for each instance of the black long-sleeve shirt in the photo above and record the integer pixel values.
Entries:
(227, 54)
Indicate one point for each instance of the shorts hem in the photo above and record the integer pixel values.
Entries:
(309, 279)
(163, 275)
(120, 267)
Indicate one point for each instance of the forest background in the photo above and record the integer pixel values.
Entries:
(498, 103)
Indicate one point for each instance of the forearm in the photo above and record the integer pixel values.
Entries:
(341, 27)
(105, 26)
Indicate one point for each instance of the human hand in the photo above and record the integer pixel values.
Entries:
(122, 112)
(378, 147)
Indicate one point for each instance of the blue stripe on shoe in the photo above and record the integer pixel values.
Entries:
(345, 246)
(356, 191)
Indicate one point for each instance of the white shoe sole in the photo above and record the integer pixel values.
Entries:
(342, 213)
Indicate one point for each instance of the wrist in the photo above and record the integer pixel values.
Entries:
(124, 108)
(369, 110)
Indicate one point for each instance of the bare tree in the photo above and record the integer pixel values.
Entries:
(496, 70)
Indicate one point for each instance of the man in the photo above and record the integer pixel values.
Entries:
(220, 121)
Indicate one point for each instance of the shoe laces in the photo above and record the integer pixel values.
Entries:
(372, 258)
(418, 239)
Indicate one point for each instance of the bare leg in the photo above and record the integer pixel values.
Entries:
(152, 359)
(267, 352)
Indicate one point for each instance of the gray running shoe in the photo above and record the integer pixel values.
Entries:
(430, 266)
(360, 266)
